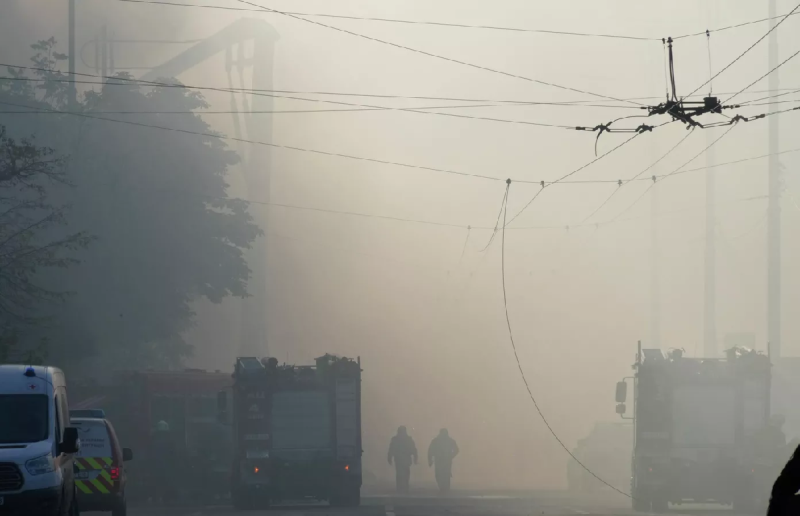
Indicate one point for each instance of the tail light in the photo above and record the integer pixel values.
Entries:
(347, 468)
(114, 473)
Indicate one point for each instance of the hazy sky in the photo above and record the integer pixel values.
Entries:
(427, 321)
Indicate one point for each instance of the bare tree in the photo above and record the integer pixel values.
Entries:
(32, 234)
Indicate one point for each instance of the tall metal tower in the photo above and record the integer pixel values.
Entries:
(257, 162)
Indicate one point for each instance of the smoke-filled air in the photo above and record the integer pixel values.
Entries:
(495, 210)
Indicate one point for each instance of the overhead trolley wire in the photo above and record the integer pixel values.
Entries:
(400, 21)
(369, 107)
(759, 40)
(763, 76)
(621, 183)
(735, 26)
(221, 89)
(438, 56)
(453, 24)
(675, 171)
(565, 176)
(256, 142)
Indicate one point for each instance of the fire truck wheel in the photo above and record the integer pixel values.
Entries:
(640, 504)
(660, 505)
(349, 497)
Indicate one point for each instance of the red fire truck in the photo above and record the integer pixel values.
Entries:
(135, 401)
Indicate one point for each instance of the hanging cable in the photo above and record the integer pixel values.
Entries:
(759, 40)
(516, 355)
(497, 223)
(464, 249)
(710, 69)
(666, 81)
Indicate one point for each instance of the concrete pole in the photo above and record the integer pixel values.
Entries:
(73, 93)
(774, 214)
(655, 294)
(710, 291)
(710, 287)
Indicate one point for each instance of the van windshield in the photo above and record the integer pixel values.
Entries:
(24, 418)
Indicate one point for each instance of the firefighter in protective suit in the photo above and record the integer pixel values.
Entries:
(402, 450)
(442, 451)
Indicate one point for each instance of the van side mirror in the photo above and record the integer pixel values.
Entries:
(127, 454)
(70, 443)
(622, 392)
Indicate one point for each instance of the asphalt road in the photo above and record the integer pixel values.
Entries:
(464, 504)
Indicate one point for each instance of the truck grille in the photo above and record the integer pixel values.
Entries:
(10, 477)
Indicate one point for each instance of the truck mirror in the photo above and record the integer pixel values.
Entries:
(622, 392)
(621, 409)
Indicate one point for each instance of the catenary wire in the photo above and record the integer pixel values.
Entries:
(401, 21)
(759, 40)
(451, 24)
(411, 110)
(255, 142)
(675, 171)
(622, 183)
(438, 56)
(220, 89)
(369, 107)
(763, 76)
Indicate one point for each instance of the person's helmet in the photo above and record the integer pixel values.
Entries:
(162, 426)
(443, 432)
(401, 430)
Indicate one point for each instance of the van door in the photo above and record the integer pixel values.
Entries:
(65, 461)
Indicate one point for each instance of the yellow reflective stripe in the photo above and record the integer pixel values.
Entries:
(80, 464)
(100, 487)
(105, 474)
(93, 463)
(108, 460)
(80, 484)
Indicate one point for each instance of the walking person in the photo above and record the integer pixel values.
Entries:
(402, 451)
(442, 451)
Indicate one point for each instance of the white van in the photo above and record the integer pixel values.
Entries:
(37, 443)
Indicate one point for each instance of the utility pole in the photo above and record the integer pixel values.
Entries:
(73, 93)
(710, 293)
(774, 214)
(655, 304)
(710, 287)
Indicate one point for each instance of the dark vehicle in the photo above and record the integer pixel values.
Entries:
(606, 451)
(100, 478)
(297, 432)
(695, 424)
(187, 401)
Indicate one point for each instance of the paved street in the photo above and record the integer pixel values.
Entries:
(546, 504)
